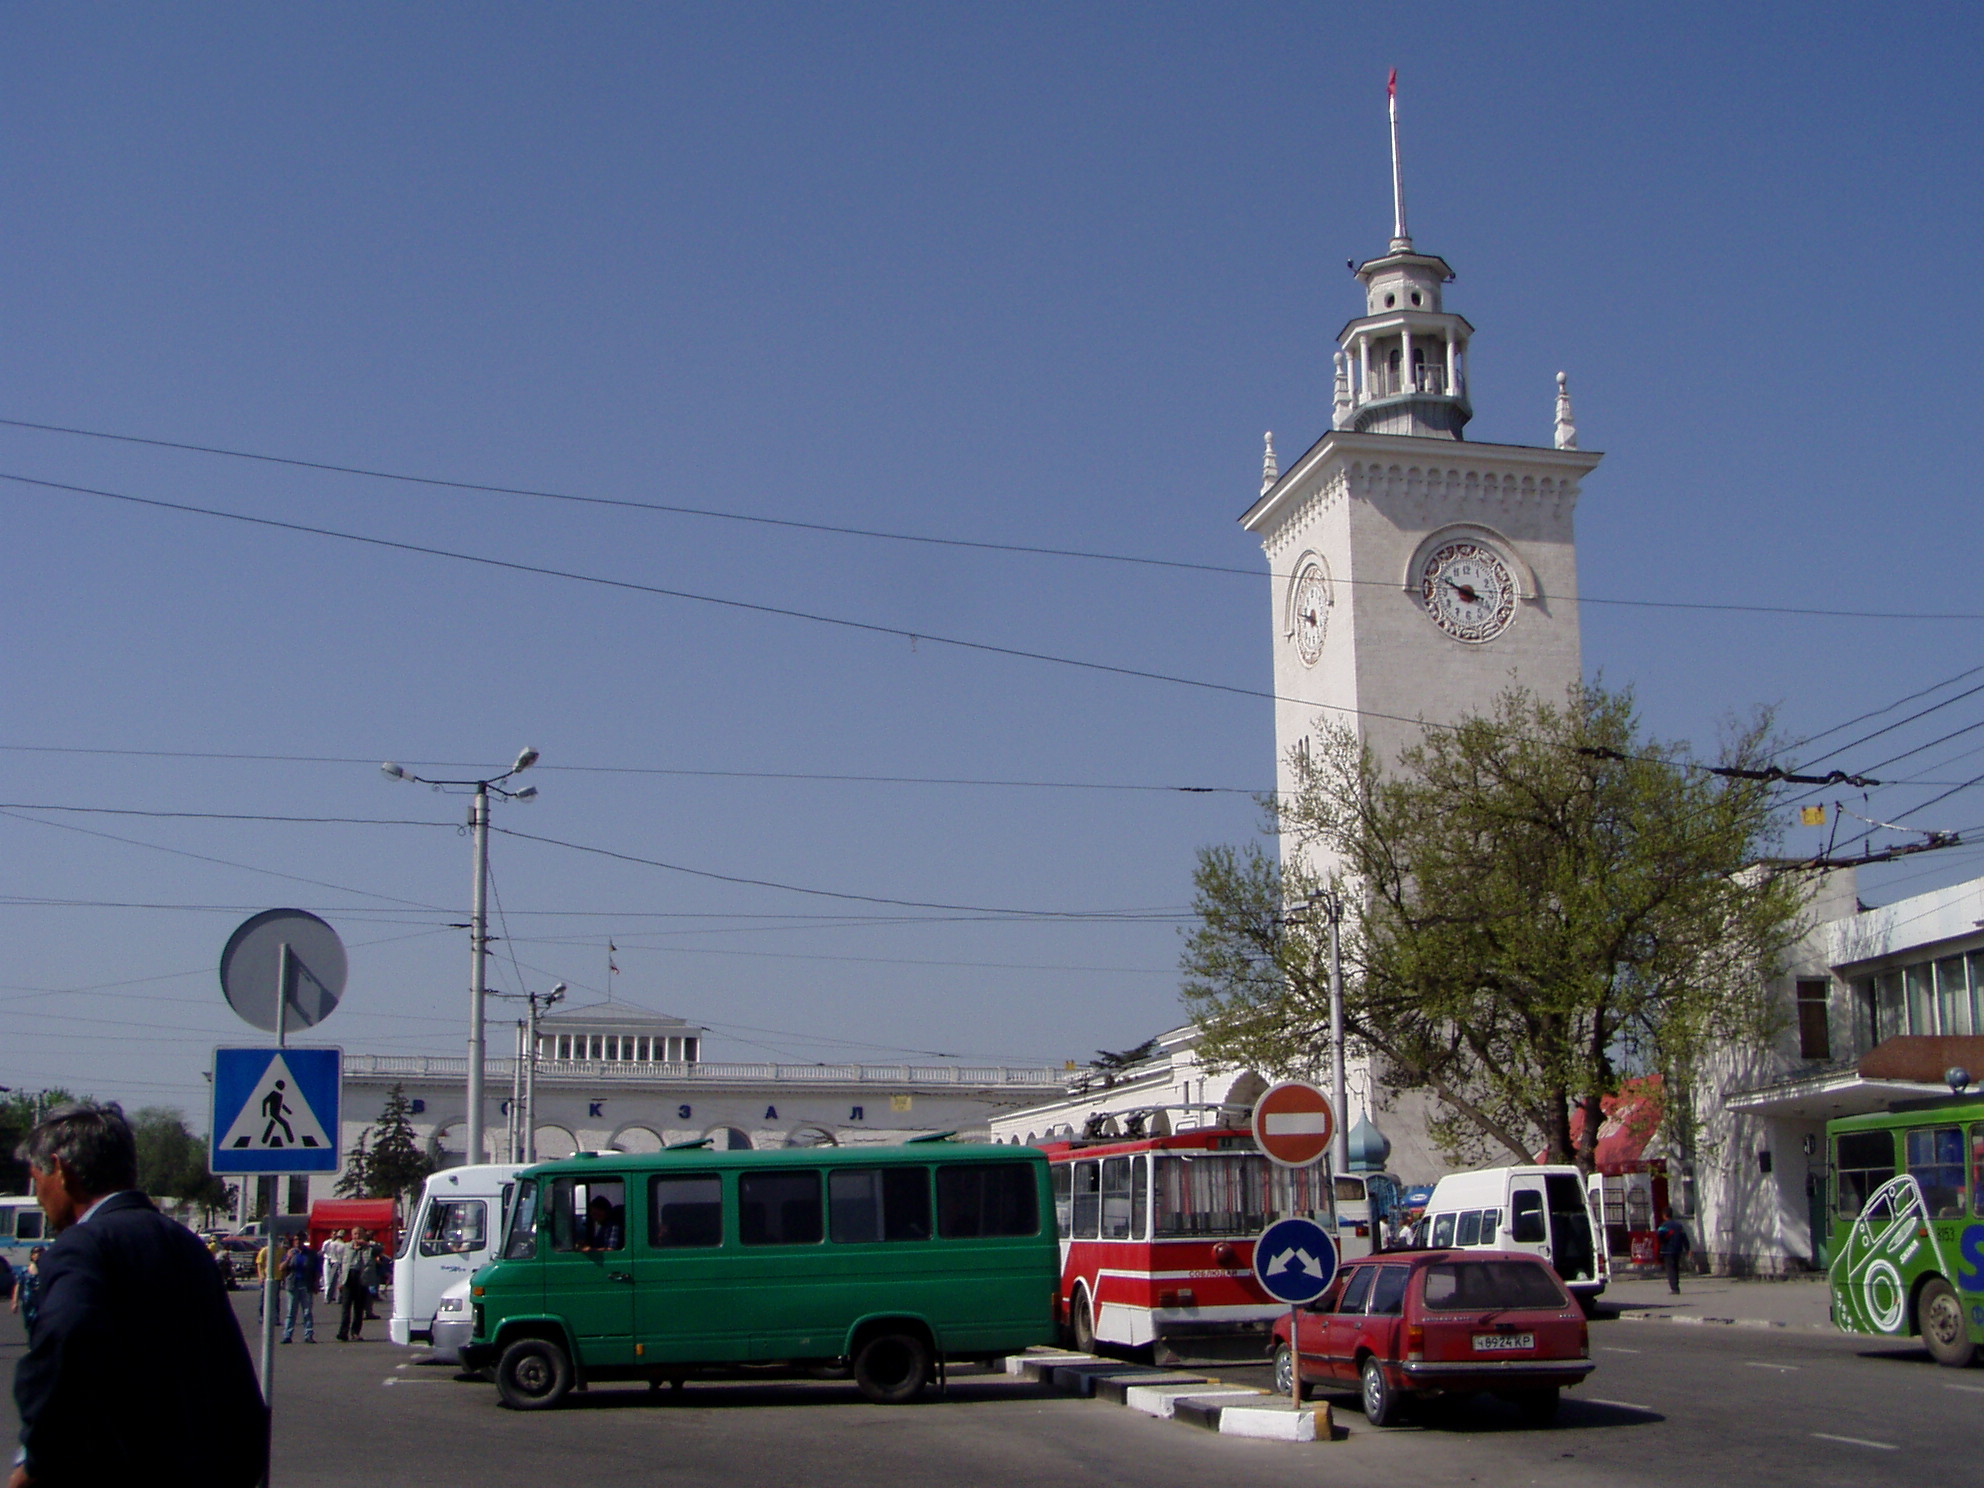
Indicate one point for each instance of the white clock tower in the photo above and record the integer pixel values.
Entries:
(1415, 575)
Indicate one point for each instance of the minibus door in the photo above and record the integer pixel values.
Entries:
(589, 1270)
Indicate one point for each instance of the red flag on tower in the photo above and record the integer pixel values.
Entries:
(1391, 88)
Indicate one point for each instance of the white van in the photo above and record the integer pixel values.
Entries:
(1544, 1210)
(461, 1215)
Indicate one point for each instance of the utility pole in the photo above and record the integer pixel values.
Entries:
(523, 1142)
(478, 930)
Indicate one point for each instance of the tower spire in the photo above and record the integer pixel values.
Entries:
(1270, 467)
(1401, 239)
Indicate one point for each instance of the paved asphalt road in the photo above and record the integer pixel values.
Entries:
(1668, 1404)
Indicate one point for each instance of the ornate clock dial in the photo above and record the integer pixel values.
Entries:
(1309, 610)
(1468, 590)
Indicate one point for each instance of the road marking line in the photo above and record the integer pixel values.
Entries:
(1967, 1389)
(1624, 1405)
(394, 1379)
(1857, 1441)
(1760, 1364)
(1609, 1349)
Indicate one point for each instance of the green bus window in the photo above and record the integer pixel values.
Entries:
(1977, 1169)
(685, 1210)
(1115, 1198)
(1935, 1161)
(587, 1214)
(869, 1204)
(779, 1209)
(1088, 1199)
(1064, 1200)
(1861, 1163)
(981, 1199)
(522, 1244)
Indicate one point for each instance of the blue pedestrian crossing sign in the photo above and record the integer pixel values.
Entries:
(1295, 1260)
(276, 1110)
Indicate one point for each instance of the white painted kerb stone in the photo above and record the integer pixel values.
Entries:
(1268, 1422)
(1162, 1400)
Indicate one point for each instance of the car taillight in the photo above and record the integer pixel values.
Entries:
(1415, 1341)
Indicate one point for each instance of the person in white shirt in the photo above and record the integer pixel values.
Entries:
(336, 1252)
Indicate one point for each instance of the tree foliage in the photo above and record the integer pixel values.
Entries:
(172, 1160)
(18, 1110)
(1537, 903)
(395, 1166)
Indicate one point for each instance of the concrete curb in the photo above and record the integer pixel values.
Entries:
(1178, 1395)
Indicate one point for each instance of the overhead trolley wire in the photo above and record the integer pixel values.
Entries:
(839, 530)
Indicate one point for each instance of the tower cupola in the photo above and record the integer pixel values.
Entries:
(1405, 357)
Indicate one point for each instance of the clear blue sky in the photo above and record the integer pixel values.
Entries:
(1037, 275)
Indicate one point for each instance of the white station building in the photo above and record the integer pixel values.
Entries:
(615, 1077)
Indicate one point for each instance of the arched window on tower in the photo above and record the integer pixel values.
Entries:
(1392, 372)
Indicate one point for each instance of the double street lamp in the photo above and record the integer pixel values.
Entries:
(478, 930)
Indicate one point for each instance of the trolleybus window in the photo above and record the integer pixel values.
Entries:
(1977, 1169)
(1935, 1161)
(975, 1200)
(1231, 1193)
(27, 1224)
(1116, 1198)
(1139, 1197)
(1063, 1175)
(1088, 1199)
(1862, 1162)
(778, 1208)
(685, 1211)
(879, 1204)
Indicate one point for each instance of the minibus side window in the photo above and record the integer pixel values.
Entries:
(869, 1204)
(1491, 1226)
(1526, 1218)
(685, 1210)
(1443, 1232)
(27, 1224)
(779, 1209)
(1115, 1198)
(454, 1227)
(1468, 1231)
(1064, 1199)
(588, 1214)
(975, 1200)
(522, 1244)
(1088, 1199)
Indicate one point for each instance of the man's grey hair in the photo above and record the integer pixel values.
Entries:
(94, 1142)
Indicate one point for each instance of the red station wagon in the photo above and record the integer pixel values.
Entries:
(1424, 1323)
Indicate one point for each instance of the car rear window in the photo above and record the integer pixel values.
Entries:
(1461, 1285)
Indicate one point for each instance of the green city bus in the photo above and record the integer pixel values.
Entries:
(886, 1261)
(1908, 1224)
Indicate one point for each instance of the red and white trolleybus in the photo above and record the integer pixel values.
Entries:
(1157, 1238)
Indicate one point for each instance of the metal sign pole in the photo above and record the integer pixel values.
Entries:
(1294, 1356)
(271, 1291)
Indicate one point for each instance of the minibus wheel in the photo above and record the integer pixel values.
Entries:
(533, 1374)
(1939, 1314)
(890, 1368)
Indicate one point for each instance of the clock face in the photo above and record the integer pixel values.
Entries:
(1309, 610)
(1468, 590)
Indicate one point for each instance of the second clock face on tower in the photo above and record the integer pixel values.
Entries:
(1309, 611)
(1468, 590)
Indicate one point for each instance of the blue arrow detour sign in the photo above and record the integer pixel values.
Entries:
(1295, 1261)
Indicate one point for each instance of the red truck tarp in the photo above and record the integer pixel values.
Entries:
(377, 1215)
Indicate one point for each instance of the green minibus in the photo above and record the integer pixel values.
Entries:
(887, 1261)
(1908, 1224)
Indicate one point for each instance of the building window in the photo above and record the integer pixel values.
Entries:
(689, 1051)
(564, 1046)
(1953, 1013)
(1814, 1037)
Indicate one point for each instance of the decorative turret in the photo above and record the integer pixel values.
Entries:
(1406, 356)
(1567, 424)
(1370, 1149)
(1270, 466)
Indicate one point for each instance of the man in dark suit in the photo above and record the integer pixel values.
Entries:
(136, 1370)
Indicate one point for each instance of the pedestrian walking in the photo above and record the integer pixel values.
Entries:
(335, 1252)
(362, 1277)
(1673, 1238)
(301, 1268)
(135, 1367)
(27, 1289)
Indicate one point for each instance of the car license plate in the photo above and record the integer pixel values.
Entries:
(1488, 1343)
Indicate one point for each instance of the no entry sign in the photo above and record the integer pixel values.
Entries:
(1292, 1123)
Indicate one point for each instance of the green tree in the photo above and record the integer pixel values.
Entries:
(396, 1166)
(1537, 903)
(356, 1179)
(172, 1161)
(19, 1110)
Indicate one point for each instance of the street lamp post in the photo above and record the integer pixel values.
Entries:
(478, 930)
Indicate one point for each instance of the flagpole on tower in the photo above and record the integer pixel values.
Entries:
(1400, 237)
